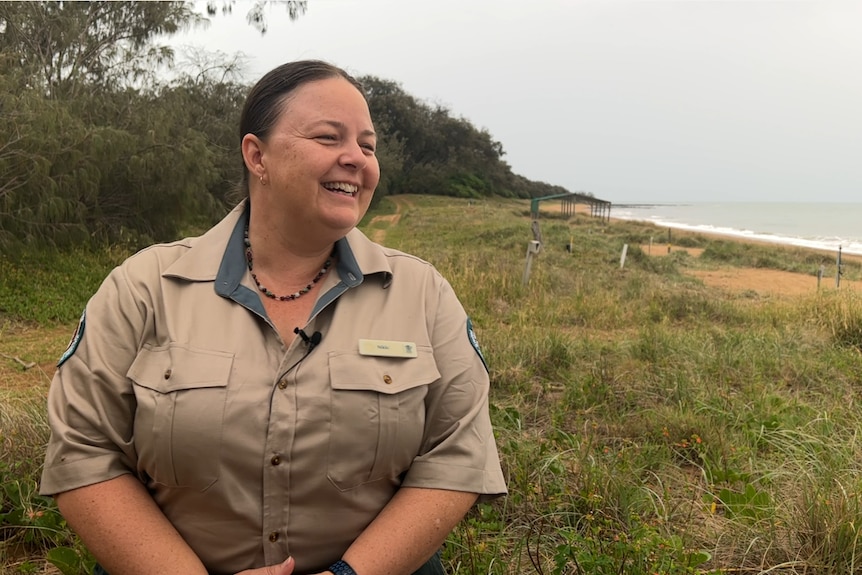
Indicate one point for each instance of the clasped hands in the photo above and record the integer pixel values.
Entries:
(283, 568)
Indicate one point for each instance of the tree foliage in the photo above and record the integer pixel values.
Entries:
(66, 47)
(97, 146)
(89, 155)
(256, 15)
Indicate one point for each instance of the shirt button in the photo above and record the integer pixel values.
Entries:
(273, 537)
(167, 373)
(386, 379)
(276, 459)
(282, 384)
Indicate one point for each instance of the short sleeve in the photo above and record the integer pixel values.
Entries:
(91, 403)
(459, 451)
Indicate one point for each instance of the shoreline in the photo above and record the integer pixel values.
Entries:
(716, 235)
(762, 239)
(737, 236)
(816, 225)
(764, 282)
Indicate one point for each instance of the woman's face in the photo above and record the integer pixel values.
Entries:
(318, 160)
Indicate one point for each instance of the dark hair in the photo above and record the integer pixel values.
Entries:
(265, 102)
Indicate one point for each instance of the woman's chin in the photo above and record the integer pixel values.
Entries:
(342, 220)
(345, 214)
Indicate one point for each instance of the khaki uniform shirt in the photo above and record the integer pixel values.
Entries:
(253, 451)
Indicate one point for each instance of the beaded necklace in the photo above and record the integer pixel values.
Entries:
(250, 260)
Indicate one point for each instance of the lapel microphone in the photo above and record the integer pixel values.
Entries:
(311, 341)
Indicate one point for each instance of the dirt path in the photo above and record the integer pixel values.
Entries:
(378, 235)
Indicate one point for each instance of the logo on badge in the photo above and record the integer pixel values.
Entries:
(471, 335)
(76, 339)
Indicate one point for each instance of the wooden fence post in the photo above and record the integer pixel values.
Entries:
(838, 270)
(533, 249)
(537, 233)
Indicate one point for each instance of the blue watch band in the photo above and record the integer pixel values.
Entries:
(341, 567)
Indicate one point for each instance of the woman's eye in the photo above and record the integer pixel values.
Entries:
(327, 137)
(369, 147)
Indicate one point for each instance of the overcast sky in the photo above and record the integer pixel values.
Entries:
(630, 100)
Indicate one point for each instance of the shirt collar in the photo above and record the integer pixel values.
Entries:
(224, 243)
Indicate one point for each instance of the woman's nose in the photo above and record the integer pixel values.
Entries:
(353, 156)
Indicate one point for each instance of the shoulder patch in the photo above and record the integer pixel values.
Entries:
(471, 335)
(76, 339)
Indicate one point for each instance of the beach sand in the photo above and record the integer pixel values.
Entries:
(759, 280)
(767, 282)
(764, 282)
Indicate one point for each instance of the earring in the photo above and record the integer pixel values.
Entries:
(262, 183)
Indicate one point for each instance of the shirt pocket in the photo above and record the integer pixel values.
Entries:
(180, 393)
(377, 415)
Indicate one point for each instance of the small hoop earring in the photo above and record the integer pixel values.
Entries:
(262, 183)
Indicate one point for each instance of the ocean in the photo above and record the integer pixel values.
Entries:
(825, 226)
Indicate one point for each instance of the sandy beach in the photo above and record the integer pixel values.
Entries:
(759, 280)
(765, 282)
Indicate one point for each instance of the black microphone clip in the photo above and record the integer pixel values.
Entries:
(312, 341)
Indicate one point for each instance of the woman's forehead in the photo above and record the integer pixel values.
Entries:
(331, 99)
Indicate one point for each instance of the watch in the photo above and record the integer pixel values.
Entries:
(341, 567)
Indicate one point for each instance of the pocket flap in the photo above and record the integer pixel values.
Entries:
(351, 371)
(177, 367)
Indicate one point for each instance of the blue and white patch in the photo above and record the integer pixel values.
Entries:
(471, 335)
(76, 339)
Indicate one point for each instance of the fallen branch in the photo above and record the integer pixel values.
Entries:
(25, 364)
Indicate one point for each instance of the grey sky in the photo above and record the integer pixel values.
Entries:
(632, 101)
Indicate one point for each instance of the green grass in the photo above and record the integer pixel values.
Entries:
(50, 287)
(646, 423)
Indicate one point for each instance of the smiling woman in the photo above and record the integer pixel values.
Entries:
(233, 388)
(312, 173)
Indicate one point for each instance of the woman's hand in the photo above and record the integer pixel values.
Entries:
(283, 568)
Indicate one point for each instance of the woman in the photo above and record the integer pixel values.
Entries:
(279, 395)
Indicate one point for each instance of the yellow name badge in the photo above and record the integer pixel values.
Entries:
(384, 348)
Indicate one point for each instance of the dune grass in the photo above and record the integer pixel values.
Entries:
(647, 423)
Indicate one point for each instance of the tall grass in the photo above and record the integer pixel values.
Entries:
(647, 423)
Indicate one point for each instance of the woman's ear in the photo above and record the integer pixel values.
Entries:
(252, 155)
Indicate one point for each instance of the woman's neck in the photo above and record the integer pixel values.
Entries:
(280, 261)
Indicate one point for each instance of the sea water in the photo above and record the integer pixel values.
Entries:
(824, 226)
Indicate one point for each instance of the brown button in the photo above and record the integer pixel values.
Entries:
(276, 459)
(168, 373)
(273, 537)
(386, 379)
(282, 384)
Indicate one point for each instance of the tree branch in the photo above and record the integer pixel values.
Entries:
(25, 364)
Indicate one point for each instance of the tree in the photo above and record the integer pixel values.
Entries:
(66, 47)
(211, 98)
(90, 154)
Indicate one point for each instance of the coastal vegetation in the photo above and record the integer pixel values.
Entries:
(648, 422)
(106, 139)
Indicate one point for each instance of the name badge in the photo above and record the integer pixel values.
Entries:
(385, 348)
